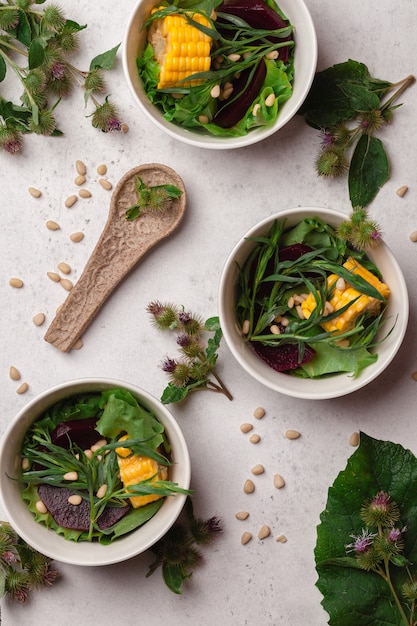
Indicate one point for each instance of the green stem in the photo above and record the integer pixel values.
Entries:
(404, 84)
(387, 578)
(223, 387)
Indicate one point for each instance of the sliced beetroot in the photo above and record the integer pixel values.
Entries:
(76, 517)
(293, 252)
(259, 15)
(284, 357)
(81, 432)
(231, 113)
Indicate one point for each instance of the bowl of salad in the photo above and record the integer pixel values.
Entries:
(220, 74)
(93, 472)
(307, 314)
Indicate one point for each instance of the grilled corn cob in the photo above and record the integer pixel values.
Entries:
(134, 469)
(180, 48)
(343, 295)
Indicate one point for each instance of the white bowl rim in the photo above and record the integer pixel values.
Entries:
(308, 389)
(254, 136)
(85, 553)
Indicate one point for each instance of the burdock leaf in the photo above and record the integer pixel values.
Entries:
(105, 60)
(172, 393)
(361, 98)
(36, 54)
(173, 576)
(355, 597)
(3, 69)
(368, 171)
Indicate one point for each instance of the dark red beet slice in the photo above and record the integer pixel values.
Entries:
(232, 113)
(76, 517)
(293, 252)
(81, 432)
(283, 358)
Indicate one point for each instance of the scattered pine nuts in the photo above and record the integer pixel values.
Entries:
(290, 302)
(203, 119)
(245, 428)
(233, 57)
(272, 55)
(14, 373)
(242, 515)
(249, 486)
(25, 464)
(75, 499)
(101, 169)
(245, 538)
(35, 193)
(258, 469)
(292, 434)
(70, 476)
(259, 413)
(413, 235)
(70, 201)
(40, 507)
(106, 184)
(79, 180)
(101, 491)
(215, 92)
(77, 237)
(274, 329)
(64, 268)
(341, 284)
(264, 532)
(84, 193)
(281, 539)
(354, 440)
(269, 100)
(38, 319)
(51, 225)
(254, 438)
(80, 167)
(402, 191)
(279, 482)
(17, 283)
(22, 389)
(256, 109)
(53, 276)
(66, 284)
(245, 327)
(77, 345)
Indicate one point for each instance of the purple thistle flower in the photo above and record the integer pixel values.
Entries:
(58, 71)
(9, 557)
(362, 542)
(213, 525)
(169, 365)
(114, 124)
(184, 340)
(184, 318)
(395, 534)
(50, 574)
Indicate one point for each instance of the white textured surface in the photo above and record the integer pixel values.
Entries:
(263, 583)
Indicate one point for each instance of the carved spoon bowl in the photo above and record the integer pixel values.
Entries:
(121, 246)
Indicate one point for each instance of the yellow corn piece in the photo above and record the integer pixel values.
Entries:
(340, 297)
(135, 468)
(180, 49)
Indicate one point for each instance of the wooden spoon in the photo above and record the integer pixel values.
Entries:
(121, 246)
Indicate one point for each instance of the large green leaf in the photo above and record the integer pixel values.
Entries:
(368, 170)
(352, 596)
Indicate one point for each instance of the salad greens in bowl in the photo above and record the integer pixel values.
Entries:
(306, 313)
(93, 472)
(220, 74)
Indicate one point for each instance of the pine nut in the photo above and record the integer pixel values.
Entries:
(64, 268)
(290, 302)
(215, 92)
(80, 167)
(249, 486)
(84, 193)
(257, 470)
(284, 321)
(259, 413)
(281, 539)
(102, 169)
(35, 193)
(38, 319)
(245, 538)
(79, 180)
(101, 491)
(25, 464)
(99, 444)
(341, 284)
(75, 499)
(70, 476)
(53, 276)
(402, 191)
(70, 201)
(88, 453)
(14, 373)
(203, 119)
(17, 283)
(264, 532)
(413, 235)
(106, 184)
(124, 128)
(242, 515)
(40, 507)
(22, 389)
(343, 343)
(256, 109)
(354, 440)
(279, 482)
(51, 225)
(292, 434)
(272, 55)
(66, 284)
(269, 100)
(274, 329)
(300, 311)
(245, 327)
(254, 438)
(233, 57)
(77, 345)
(77, 237)
(245, 428)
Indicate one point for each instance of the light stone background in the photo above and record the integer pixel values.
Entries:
(264, 583)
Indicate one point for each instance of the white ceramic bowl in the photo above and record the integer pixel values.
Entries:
(305, 62)
(334, 386)
(86, 553)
